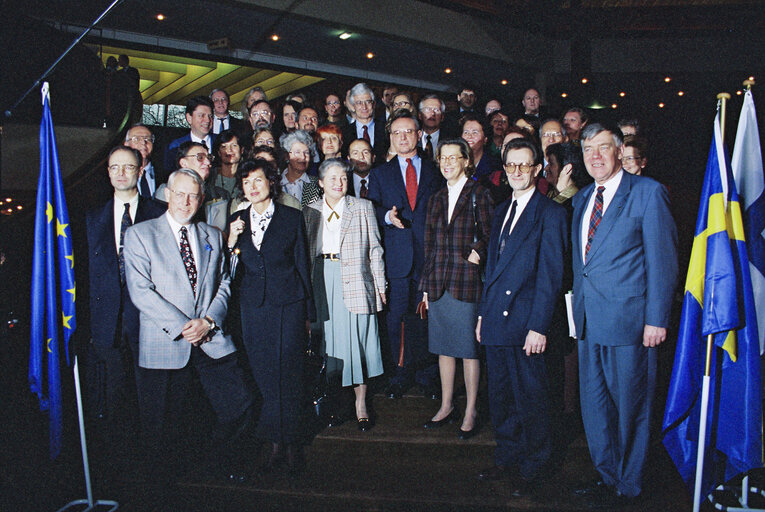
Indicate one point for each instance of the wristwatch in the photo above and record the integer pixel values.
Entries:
(213, 326)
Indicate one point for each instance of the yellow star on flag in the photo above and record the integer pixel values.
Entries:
(60, 229)
(49, 212)
(66, 320)
(47, 343)
(70, 257)
(72, 291)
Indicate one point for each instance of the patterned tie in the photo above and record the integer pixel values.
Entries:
(363, 189)
(597, 214)
(145, 190)
(365, 136)
(429, 147)
(126, 223)
(188, 260)
(411, 183)
(506, 229)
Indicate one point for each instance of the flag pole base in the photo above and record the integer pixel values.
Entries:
(741, 493)
(113, 505)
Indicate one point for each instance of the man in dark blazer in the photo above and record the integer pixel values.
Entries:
(113, 319)
(361, 158)
(400, 190)
(199, 115)
(365, 126)
(222, 119)
(524, 274)
(625, 270)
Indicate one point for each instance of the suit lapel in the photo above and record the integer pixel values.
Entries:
(576, 230)
(105, 229)
(400, 184)
(426, 176)
(609, 219)
(496, 230)
(169, 247)
(204, 248)
(523, 227)
(462, 201)
(350, 202)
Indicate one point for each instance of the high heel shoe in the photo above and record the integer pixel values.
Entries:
(364, 424)
(467, 434)
(449, 418)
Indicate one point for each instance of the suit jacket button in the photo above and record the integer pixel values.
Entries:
(505, 313)
(585, 274)
(507, 292)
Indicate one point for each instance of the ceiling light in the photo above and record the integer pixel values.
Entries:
(622, 94)
(275, 37)
(739, 93)
(661, 105)
(448, 70)
(370, 55)
(584, 80)
(751, 78)
(345, 35)
(614, 105)
(19, 207)
(667, 79)
(160, 17)
(504, 82)
(8, 199)
(564, 95)
(680, 93)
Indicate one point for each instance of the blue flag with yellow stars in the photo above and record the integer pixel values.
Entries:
(718, 301)
(53, 290)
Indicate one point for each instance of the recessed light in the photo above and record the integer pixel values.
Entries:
(160, 17)
(504, 82)
(739, 93)
(614, 105)
(680, 93)
(275, 37)
(584, 80)
(751, 78)
(661, 105)
(8, 200)
(345, 35)
(564, 95)
(448, 70)
(622, 94)
(370, 55)
(19, 207)
(667, 79)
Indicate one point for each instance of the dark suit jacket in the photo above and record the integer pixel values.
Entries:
(104, 290)
(278, 274)
(404, 248)
(382, 141)
(523, 283)
(448, 244)
(631, 270)
(172, 148)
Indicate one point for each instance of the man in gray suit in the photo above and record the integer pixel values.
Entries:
(176, 276)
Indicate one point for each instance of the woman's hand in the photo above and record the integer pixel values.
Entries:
(474, 258)
(425, 299)
(235, 229)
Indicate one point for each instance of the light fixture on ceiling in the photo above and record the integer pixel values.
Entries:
(680, 93)
(8, 200)
(448, 70)
(667, 79)
(275, 37)
(661, 105)
(19, 207)
(370, 55)
(739, 92)
(614, 105)
(564, 95)
(345, 35)
(596, 105)
(504, 82)
(751, 78)
(622, 94)
(584, 80)
(160, 17)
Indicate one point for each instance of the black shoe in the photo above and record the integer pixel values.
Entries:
(364, 424)
(467, 434)
(494, 473)
(449, 418)
(395, 391)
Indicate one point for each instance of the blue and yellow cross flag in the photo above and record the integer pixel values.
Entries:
(53, 289)
(718, 301)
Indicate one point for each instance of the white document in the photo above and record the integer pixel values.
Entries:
(569, 297)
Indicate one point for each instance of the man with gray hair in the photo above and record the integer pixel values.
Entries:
(175, 270)
(300, 148)
(362, 100)
(432, 111)
(222, 120)
(253, 95)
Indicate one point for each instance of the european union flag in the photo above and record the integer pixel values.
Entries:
(53, 289)
(718, 301)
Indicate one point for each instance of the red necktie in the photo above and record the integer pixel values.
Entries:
(365, 136)
(597, 214)
(411, 183)
(363, 190)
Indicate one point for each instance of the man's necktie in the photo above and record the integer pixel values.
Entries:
(597, 214)
(126, 223)
(363, 190)
(365, 135)
(411, 183)
(506, 229)
(188, 259)
(429, 147)
(144, 188)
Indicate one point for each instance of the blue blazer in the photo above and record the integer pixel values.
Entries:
(404, 248)
(172, 148)
(105, 293)
(523, 283)
(631, 270)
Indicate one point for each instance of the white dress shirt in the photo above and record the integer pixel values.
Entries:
(207, 141)
(119, 209)
(608, 195)
(259, 223)
(221, 124)
(331, 235)
(522, 201)
(191, 231)
(357, 183)
(370, 131)
(434, 137)
(417, 162)
(454, 192)
(148, 174)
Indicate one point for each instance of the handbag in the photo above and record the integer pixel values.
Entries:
(482, 267)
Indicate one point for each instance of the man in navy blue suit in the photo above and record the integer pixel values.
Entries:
(400, 190)
(113, 345)
(524, 275)
(199, 115)
(624, 245)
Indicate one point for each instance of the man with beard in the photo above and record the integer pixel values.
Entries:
(361, 159)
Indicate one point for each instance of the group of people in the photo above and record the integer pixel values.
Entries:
(457, 229)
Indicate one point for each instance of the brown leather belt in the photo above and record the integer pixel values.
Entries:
(331, 257)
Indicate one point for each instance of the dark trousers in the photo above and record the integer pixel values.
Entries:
(418, 361)
(161, 393)
(616, 386)
(518, 404)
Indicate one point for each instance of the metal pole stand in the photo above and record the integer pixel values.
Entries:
(91, 505)
(740, 494)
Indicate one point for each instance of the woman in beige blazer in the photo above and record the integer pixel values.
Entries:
(349, 281)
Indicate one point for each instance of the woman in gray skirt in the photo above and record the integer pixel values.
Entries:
(456, 237)
(348, 279)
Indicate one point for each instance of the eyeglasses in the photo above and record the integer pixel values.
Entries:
(552, 135)
(363, 152)
(499, 120)
(231, 145)
(452, 159)
(129, 169)
(309, 118)
(524, 168)
(182, 196)
(361, 103)
(265, 114)
(431, 110)
(474, 133)
(266, 142)
(333, 103)
(306, 154)
(201, 157)
(400, 104)
(408, 131)
(135, 139)
(220, 100)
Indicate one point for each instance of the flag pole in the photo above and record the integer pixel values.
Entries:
(723, 97)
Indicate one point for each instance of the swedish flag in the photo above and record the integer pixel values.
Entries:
(53, 288)
(718, 301)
